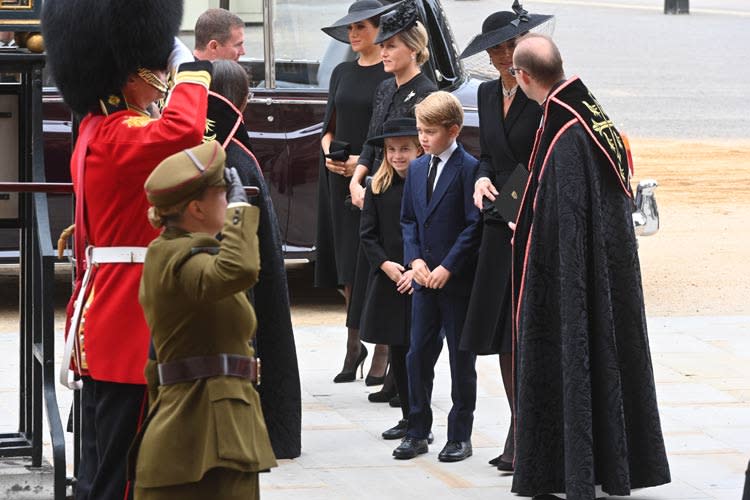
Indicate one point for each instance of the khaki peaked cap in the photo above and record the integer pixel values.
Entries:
(182, 175)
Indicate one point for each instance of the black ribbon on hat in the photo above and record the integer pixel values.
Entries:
(523, 15)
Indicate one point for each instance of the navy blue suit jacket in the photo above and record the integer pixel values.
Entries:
(446, 231)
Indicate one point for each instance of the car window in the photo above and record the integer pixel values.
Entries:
(305, 56)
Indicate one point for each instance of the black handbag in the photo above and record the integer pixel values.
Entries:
(339, 151)
(508, 201)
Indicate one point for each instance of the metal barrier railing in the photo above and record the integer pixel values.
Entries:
(37, 259)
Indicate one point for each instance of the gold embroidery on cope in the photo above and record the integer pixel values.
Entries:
(210, 132)
(602, 125)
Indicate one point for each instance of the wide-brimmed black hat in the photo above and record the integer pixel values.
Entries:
(503, 26)
(396, 127)
(394, 22)
(358, 11)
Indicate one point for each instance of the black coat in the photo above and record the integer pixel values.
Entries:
(386, 314)
(586, 410)
(505, 142)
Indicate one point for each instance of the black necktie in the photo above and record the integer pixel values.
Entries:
(431, 176)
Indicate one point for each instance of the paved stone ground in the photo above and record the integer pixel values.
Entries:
(702, 367)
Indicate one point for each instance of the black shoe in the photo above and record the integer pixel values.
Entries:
(397, 431)
(395, 401)
(496, 460)
(382, 396)
(371, 380)
(410, 448)
(349, 376)
(455, 451)
(504, 466)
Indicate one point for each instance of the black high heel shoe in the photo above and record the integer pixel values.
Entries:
(371, 380)
(382, 396)
(349, 376)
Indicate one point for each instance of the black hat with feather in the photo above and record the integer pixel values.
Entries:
(94, 45)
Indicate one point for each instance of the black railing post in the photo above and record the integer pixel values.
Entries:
(36, 295)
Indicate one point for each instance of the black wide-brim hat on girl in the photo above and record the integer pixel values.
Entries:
(396, 127)
(394, 22)
(358, 11)
(503, 26)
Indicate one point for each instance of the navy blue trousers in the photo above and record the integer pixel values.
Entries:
(434, 314)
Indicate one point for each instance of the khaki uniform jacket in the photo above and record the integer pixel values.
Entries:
(195, 305)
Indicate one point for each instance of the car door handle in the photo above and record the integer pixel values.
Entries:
(6, 114)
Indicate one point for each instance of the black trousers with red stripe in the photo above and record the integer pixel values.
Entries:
(111, 414)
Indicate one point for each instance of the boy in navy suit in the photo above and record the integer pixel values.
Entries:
(440, 226)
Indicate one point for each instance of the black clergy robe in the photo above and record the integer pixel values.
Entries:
(586, 409)
(280, 391)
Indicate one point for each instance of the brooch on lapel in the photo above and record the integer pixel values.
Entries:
(411, 94)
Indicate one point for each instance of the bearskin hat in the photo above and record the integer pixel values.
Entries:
(93, 45)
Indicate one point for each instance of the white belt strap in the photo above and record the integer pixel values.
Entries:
(94, 256)
(117, 255)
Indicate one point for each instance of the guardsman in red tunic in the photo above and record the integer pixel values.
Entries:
(111, 69)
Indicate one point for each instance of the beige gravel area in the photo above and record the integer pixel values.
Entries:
(698, 263)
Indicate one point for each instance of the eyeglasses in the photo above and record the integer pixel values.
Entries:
(514, 71)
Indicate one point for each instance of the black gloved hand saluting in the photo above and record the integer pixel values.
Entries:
(235, 189)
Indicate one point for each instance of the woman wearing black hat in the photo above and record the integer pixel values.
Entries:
(507, 123)
(403, 41)
(344, 132)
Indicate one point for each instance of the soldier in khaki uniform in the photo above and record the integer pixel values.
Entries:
(205, 436)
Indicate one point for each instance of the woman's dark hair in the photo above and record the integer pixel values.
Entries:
(230, 80)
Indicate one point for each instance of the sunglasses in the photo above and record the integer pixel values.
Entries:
(514, 71)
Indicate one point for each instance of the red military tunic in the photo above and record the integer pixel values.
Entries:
(122, 152)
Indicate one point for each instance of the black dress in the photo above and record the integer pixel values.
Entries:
(391, 101)
(350, 105)
(386, 313)
(505, 142)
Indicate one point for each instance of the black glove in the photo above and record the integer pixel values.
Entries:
(197, 66)
(235, 189)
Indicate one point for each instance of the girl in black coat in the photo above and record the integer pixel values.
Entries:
(507, 124)
(387, 307)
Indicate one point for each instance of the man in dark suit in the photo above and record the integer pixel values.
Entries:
(440, 227)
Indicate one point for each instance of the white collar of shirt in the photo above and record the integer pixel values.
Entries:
(444, 157)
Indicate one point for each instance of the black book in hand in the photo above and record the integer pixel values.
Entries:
(509, 200)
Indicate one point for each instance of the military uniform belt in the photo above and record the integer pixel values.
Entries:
(199, 367)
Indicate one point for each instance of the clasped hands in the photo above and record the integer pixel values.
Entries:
(398, 275)
(437, 278)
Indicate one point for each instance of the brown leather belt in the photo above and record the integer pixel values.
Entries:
(199, 367)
